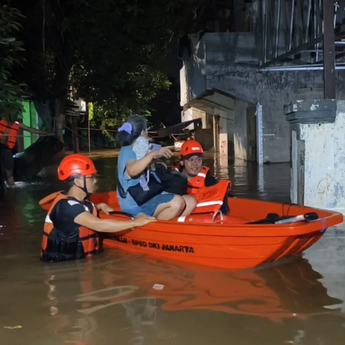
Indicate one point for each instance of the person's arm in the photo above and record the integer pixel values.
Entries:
(136, 167)
(67, 211)
(32, 130)
(109, 225)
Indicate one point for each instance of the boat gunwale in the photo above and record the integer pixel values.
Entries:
(328, 218)
(264, 230)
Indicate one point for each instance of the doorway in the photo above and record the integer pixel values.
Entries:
(251, 133)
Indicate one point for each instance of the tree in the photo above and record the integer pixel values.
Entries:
(128, 69)
(113, 111)
(111, 52)
(10, 52)
(49, 56)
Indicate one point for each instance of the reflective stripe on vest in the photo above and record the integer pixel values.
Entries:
(10, 132)
(87, 237)
(210, 199)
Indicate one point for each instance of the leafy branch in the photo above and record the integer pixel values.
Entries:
(11, 56)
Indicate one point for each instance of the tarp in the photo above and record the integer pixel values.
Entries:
(165, 132)
(32, 160)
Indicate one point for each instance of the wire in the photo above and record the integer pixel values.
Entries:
(77, 134)
(98, 129)
(29, 136)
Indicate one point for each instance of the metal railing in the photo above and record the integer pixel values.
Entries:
(293, 30)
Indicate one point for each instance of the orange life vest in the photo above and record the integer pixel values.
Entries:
(209, 199)
(10, 131)
(197, 181)
(84, 243)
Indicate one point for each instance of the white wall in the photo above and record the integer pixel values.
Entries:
(324, 163)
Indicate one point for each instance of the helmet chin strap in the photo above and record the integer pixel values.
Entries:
(84, 189)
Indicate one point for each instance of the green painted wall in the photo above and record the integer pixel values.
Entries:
(29, 117)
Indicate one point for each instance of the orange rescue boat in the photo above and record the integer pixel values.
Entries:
(254, 233)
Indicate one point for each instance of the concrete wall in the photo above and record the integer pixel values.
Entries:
(240, 130)
(230, 129)
(192, 114)
(200, 114)
(226, 133)
(187, 115)
(244, 131)
(318, 174)
(228, 62)
(226, 126)
(207, 135)
(193, 73)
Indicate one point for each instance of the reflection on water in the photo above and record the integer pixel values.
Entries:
(278, 293)
(122, 298)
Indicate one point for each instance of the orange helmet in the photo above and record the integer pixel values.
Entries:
(75, 164)
(190, 148)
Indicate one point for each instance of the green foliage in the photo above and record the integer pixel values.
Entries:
(112, 52)
(10, 53)
(124, 70)
(112, 113)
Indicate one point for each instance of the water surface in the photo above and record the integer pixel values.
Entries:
(121, 298)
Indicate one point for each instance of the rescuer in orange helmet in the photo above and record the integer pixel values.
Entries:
(191, 165)
(72, 225)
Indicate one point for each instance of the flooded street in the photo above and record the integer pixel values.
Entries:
(121, 298)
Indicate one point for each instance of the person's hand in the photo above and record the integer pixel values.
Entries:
(163, 152)
(142, 219)
(104, 207)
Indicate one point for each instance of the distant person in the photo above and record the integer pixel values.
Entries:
(191, 165)
(8, 139)
(72, 226)
(130, 167)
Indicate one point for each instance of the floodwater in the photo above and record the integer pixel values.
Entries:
(121, 298)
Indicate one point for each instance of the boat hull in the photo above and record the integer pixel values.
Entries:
(229, 256)
(230, 243)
